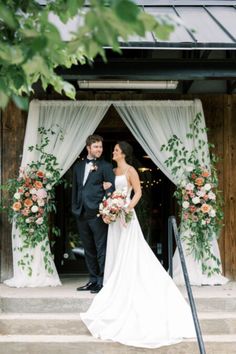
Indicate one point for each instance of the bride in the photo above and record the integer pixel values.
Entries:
(139, 304)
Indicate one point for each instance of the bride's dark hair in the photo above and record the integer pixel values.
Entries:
(127, 150)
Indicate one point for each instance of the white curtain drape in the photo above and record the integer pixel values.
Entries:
(151, 122)
(77, 120)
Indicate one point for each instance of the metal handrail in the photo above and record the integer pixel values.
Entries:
(172, 227)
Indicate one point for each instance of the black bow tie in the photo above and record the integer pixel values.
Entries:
(90, 160)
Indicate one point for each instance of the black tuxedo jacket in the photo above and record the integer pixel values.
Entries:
(90, 195)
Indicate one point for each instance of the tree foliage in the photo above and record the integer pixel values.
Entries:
(31, 46)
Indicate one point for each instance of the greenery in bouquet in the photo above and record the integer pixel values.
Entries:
(30, 198)
(114, 206)
(197, 194)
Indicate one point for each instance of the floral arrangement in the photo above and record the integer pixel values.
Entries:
(114, 206)
(197, 194)
(30, 199)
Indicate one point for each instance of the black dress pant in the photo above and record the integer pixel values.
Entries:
(93, 234)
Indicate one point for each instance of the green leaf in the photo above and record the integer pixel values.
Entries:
(126, 10)
(21, 102)
(3, 99)
(7, 16)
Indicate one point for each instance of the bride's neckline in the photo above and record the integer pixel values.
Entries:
(124, 173)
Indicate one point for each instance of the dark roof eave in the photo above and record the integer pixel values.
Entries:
(174, 45)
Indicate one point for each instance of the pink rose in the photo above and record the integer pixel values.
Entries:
(41, 193)
(39, 221)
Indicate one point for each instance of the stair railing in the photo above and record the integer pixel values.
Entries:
(172, 228)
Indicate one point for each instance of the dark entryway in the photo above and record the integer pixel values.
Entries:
(156, 205)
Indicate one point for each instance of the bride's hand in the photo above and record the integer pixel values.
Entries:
(107, 185)
(106, 219)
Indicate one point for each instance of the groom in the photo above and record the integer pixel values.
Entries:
(87, 194)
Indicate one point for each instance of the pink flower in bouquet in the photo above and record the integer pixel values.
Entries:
(39, 221)
(113, 207)
(41, 193)
(34, 197)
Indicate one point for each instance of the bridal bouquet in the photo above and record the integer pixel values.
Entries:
(114, 207)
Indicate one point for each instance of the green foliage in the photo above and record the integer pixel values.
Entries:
(197, 194)
(31, 47)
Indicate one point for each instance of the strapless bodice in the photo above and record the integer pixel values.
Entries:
(121, 183)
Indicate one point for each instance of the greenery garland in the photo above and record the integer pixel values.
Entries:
(197, 194)
(30, 198)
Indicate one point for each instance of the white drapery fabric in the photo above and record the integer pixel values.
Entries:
(77, 120)
(151, 122)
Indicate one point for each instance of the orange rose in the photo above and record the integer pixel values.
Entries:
(40, 174)
(38, 184)
(205, 174)
(199, 181)
(16, 206)
(28, 202)
(205, 208)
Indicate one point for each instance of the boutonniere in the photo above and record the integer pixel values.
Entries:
(93, 167)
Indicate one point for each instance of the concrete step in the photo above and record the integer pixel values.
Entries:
(85, 344)
(70, 324)
(81, 304)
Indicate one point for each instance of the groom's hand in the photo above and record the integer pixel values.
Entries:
(107, 185)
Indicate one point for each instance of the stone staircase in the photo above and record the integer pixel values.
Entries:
(46, 320)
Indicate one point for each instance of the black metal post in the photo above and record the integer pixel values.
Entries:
(201, 346)
(170, 247)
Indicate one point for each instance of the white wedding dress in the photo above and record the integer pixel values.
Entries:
(139, 304)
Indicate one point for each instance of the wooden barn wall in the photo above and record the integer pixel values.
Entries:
(12, 130)
(220, 114)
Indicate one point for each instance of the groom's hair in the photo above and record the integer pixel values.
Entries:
(91, 139)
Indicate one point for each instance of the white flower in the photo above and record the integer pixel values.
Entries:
(196, 200)
(185, 204)
(33, 191)
(48, 174)
(212, 213)
(48, 186)
(17, 196)
(189, 186)
(207, 187)
(28, 220)
(203, 222)
(183, 183)
(189, 168)
(211, 195)
(34, 209)
(65, 255)
(201, 192)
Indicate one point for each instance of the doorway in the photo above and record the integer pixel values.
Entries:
(156, 204)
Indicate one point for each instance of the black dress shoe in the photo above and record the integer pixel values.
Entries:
(97, 288)
(86, 287)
